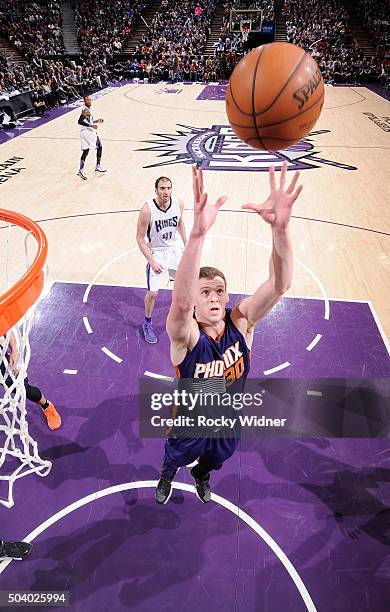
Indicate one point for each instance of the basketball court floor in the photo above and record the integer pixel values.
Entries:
(297, 523)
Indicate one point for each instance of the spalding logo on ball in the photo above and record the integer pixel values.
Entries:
(274, 96)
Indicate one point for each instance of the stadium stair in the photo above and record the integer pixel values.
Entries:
(11, 53)
(153, 7)
(280, 22)
(216, 25)
(69, 29)
(363, 38)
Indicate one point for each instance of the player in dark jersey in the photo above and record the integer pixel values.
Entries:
(215, 340)
(89, 138)
(34, 394)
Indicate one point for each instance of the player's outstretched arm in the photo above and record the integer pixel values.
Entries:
(276, 211)
(13, 355)
(180, 322)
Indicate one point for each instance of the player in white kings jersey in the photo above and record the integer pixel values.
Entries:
(161, 223)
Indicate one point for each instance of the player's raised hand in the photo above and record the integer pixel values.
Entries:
(12, 362)
(276, 210)
(204, 212)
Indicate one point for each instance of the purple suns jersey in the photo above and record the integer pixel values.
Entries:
(226, 356)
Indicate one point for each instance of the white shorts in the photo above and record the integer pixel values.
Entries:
(169, 260)
(88, 139)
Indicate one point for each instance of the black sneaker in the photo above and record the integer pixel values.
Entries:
(15, 550)
(202, 487)
(163, 490)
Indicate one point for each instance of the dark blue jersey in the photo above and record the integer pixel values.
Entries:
(227, 355)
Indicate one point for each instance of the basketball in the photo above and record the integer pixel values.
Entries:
(274, 96)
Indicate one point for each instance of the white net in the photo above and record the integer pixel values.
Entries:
(244, 31)
(18, 451)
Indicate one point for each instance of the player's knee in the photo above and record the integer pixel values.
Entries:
(32, 393)
(153, 295)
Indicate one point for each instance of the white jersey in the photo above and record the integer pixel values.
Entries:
(87, 119)
(162, 231)
(88, 135)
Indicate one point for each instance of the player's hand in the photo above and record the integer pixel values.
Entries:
(156, 267)
(204, 212)
(12, 362)
(99, 120)
(276, 210)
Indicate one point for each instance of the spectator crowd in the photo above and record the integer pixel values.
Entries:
(104, 28)
(322, 28)
(173, 48)
(376, 17)
(33, 28)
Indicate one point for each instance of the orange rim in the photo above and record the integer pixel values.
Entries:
(20, 297)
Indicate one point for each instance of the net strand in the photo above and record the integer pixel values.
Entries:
(19, 454)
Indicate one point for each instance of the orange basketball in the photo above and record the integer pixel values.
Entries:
(274, 96)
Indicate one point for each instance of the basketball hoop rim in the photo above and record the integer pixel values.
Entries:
(17, 300)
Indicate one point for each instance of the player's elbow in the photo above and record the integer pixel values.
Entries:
(281, 287)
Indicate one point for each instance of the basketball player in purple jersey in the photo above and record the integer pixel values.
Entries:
(215, 340)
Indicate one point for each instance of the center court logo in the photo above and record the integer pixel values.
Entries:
(218, 148)
(168, 90)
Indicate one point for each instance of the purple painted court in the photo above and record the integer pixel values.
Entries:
(296, 523)
(322, 501)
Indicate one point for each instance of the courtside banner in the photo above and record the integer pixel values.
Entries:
(300, 408)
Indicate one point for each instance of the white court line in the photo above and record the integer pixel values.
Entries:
(285, 297)
(183, 487)
(322, 289)
(282, 366)
(132, 286)
(314, 393)
(160, 376)
(70, 371)
(314, 342)
(266, 372)
(379, 326)
(107, 265)
(87, 325)
(111, 355)
(317, 280)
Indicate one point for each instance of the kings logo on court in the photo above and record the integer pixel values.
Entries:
(218, 148)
